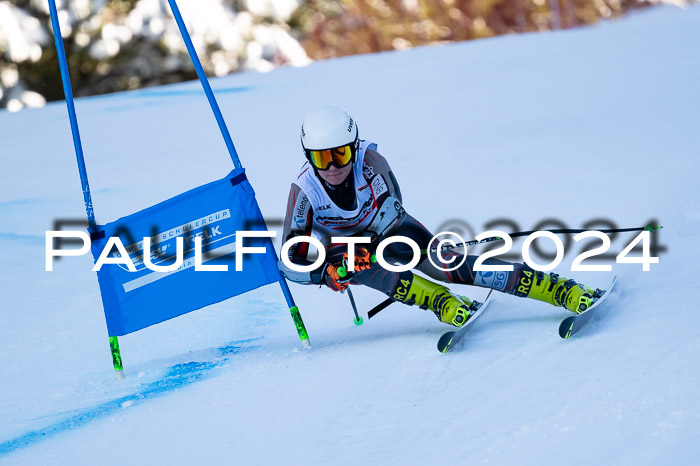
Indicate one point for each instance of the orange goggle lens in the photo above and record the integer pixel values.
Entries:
(322, 159)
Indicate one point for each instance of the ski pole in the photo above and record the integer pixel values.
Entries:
(358, 320)
(343, 272)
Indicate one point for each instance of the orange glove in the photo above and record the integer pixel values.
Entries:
(333, 279)
(362, 259)
(337, 276)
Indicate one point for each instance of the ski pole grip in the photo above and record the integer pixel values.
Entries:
(343, 271)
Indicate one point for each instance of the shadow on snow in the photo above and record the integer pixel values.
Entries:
(176, 376)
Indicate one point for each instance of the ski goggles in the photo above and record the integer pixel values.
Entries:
(338, 156)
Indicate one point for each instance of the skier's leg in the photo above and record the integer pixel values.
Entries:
(522, 281)
(409, 289)
(412, 289)
(551, 288)
(436, 267)
(400, 253)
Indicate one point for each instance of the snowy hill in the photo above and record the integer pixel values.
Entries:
(593, 123)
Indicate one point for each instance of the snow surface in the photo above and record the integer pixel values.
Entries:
(595, 122)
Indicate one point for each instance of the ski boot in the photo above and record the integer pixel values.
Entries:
(449, 308)
(556, 290)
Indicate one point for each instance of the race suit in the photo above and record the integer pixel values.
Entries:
(316, 208)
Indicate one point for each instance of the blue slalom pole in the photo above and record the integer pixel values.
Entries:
(65, 77)
(87, 197)
(205, 84)
(296, 315)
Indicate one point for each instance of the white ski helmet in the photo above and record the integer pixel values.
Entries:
(328, 128)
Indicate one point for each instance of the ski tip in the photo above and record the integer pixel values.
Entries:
(447, 346)
(445, 342)
(566, 326)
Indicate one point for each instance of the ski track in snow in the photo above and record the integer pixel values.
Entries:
(615, 105)
(176, 376)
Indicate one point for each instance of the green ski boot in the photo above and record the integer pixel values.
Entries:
(449, 308)
(555, 290)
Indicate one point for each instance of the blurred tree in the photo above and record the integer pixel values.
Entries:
(331, 28)
(115, 45)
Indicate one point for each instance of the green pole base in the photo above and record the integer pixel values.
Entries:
(301, 329)
(359, 320)
(116, 354)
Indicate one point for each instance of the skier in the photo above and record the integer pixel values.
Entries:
(346, 188)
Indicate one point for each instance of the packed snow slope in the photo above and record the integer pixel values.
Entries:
(600, 122)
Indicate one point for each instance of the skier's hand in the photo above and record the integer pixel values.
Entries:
(362, 259)
(333, 279)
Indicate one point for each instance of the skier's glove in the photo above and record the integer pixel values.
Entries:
(362, 259)
(336, 277)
